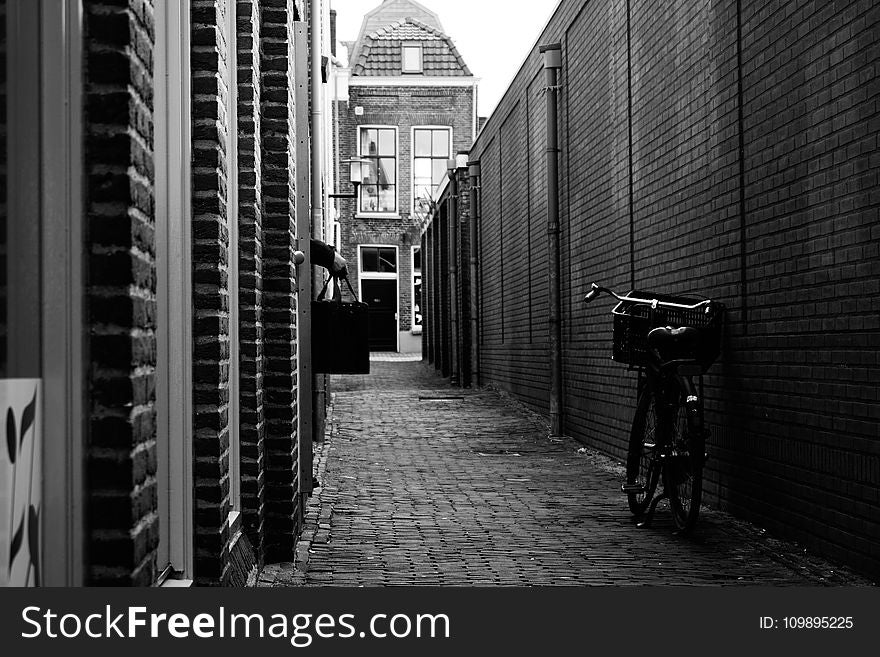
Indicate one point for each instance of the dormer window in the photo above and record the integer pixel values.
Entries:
(411, 57)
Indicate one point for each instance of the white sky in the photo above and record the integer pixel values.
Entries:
(493, 36)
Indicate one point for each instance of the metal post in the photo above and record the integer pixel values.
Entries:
(552, 63)
(474, 173)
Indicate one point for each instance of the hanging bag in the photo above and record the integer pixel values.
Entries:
(340, 333)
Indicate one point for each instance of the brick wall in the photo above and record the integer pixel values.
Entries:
(211, 311)
(403, 108)
(252, 429)
(463, 219)
(656, 103)
(123, 529)
(282, 501)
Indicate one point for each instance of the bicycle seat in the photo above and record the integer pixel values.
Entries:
(674, 343)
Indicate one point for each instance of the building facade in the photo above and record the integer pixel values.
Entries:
(407, 106)
(703, 150)
(155, 221)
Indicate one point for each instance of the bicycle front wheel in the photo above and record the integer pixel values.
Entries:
(684, 469)
(642, 465)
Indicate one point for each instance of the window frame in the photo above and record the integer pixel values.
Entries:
(421, 48)
(233, 282)
(174, 401)
(363, 273)
(413, 157)
(374, 276)
(416, 329)
(359, 212)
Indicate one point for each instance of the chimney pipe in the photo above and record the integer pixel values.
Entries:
(333, 32)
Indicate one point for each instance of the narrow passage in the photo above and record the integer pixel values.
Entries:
(422, 483)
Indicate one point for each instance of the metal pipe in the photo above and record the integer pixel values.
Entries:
(319, 381)
(552, 63)
(474, 174)
(317, 128)
(452, 218)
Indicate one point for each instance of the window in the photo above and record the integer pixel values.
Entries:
(416, 289)
(379, 259)
(378, 192)
(411, 57)
(431, 150)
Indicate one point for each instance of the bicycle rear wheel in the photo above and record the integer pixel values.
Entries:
(684, 469)
(642, 466)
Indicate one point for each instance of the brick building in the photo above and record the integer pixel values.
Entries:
(406, 105)
(155, 192)
(718, 148)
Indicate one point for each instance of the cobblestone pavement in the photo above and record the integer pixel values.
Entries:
(425, 484)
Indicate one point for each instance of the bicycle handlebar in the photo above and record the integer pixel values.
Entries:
(596, 290)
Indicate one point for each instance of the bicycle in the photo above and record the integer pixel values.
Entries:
(670, 340)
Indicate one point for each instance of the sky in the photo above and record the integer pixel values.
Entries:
(493, 36)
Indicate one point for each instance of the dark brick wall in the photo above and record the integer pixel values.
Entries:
(211, 312)
(447, 241)
(123, 530)
(252, 429)
(283, 512)
(786, 234)
(463, 219)
(404, 108)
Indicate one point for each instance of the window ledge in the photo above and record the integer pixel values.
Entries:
(377, 215)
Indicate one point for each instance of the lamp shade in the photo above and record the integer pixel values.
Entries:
(356, 174)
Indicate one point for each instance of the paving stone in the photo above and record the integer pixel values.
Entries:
(473, 491)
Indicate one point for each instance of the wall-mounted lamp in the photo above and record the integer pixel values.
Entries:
(451, 167)
(355, 176)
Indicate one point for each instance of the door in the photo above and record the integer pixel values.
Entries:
(381, 296)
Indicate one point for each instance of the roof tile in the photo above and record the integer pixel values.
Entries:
(380, 52)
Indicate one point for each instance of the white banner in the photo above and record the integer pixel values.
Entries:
(20, 481)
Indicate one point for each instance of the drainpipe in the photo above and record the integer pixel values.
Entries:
(474, 174)
(552, 64)
(319, 381)
(317, 128)
(452, 221)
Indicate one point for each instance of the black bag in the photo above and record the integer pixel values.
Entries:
(340, 333)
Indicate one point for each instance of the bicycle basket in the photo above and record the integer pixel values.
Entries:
(633, 321)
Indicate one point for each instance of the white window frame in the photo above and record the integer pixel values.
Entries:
(234, 471)
(173, 157)
(380, 215)
(421, 48)
(415, 330)
(412, 159)
(378, 276)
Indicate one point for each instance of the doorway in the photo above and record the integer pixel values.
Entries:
(381, 296)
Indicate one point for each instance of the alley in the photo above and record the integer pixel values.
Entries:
(422, 483)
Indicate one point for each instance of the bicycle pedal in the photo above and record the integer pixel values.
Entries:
(634, 489)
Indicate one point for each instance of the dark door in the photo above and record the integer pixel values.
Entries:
(381, 296)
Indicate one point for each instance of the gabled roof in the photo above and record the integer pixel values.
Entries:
(380, 51)
(391, 11)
